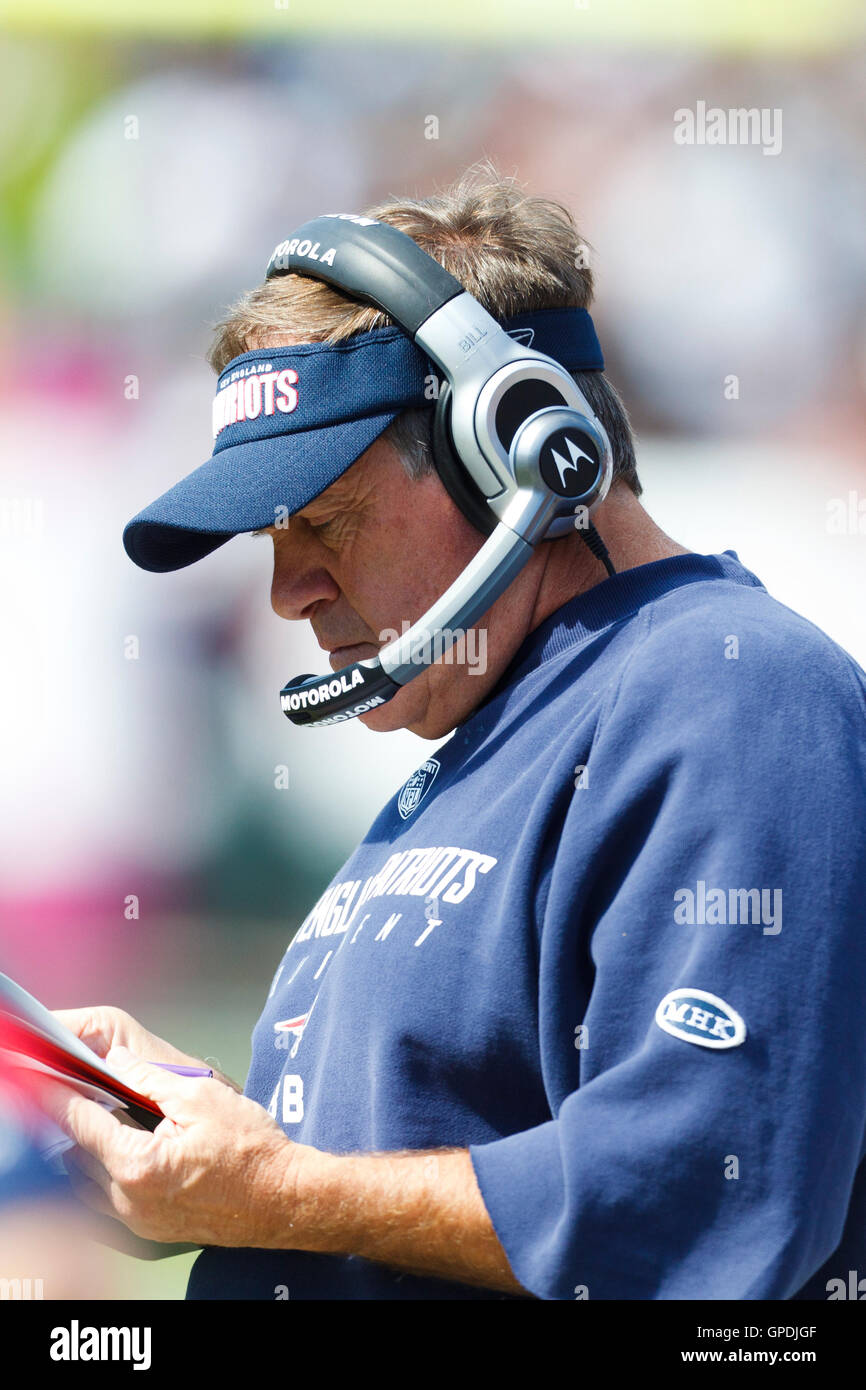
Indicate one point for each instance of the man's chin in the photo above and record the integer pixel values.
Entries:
(406, 710)
(385, 719)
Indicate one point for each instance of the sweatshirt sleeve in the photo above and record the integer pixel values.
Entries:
(710, 878)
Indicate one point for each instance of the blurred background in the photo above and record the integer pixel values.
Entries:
(150, 159)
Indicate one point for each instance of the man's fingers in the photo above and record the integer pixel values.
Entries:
(73, 1019)
(87, 1025)
(90, 1195)
(154, 1082)
(79, 1163)
(91, 1126)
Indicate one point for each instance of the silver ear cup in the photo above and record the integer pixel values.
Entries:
(566, 455)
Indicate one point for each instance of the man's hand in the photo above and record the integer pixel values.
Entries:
(105, 1027)
(219, 1171)
(213, 1172)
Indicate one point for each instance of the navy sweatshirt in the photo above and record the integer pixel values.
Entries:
(609, 938)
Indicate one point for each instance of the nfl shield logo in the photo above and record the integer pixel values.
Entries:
(417, 787)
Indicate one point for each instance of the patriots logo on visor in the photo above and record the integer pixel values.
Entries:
(258, 390)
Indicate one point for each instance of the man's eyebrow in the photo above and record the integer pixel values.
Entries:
(322, 502)
(332, 500)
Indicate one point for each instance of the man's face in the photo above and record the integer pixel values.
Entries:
(373, 551)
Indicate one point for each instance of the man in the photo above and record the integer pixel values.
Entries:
(582, 1015)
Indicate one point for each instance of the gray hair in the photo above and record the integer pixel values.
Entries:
(513, 252)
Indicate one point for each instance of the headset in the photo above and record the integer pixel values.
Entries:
(515, 443)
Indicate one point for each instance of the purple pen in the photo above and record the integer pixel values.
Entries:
(183, 1071)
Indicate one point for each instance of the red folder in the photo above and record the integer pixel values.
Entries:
(32, 1040)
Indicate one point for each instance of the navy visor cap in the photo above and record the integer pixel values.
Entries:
(289, 421)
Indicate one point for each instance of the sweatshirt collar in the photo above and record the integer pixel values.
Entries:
(618, 597)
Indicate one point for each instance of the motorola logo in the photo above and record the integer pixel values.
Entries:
(569, 463)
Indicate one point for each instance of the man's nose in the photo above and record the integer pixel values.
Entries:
(300, 579)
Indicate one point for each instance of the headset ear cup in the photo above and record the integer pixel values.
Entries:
(455, 479)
